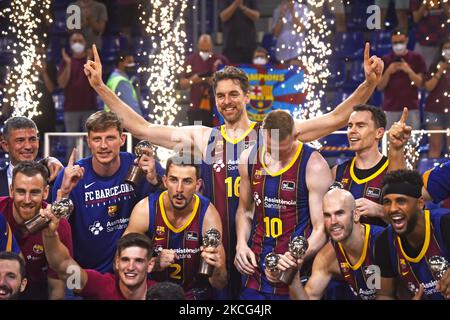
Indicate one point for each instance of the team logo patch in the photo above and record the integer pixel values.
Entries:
(38, 248)
(192, 236)
(160, 230)
(218, 166)
(344, 181)
(112, 210)
(288, 185)
(373, 192)
(96, 228)
(258, 174)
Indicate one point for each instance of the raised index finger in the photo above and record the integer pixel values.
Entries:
(404, 116)
(96, 56)
(72, 158)
(366, 52)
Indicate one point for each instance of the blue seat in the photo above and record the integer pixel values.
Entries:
(377, 98)
(356, 75)
(337, 74)
(380, 42)
(61, 4)
(349, 45)
(59, 26)
(111, 46)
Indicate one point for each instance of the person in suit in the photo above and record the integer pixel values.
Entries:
(20, 139)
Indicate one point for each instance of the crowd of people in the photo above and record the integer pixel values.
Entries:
(221, 219)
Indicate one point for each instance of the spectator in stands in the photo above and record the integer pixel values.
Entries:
(238, 19)
(260, 57)
(432, 26)
(93, 21)
(20, 139)
(338, 9)
(437, 82)
(401, 80)
(289, 20)
(46, 84)
(119, 81)
(29, 189)
(401, 10)
(79, 98)
(197, 77)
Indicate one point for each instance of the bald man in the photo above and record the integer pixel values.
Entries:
(348, 255)
(197, 77)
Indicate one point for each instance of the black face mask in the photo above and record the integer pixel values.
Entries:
(131, 71)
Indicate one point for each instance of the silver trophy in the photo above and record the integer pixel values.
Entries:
(297, 248)
(271, 261)
(61, 209)
(135, 173)
(438, 266)
(210, 239)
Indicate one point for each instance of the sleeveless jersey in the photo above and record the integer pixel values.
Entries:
(220, 175)
(186, 241)
(102, 209)
(369, 188)
(356, 276)
(281, 212)
(416, 271)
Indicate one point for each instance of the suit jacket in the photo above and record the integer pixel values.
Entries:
(4, 188)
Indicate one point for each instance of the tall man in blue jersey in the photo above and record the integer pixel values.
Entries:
(103, 200)
(414, 238)
(217, 146)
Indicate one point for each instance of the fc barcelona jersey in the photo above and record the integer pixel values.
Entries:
(369, 188)
(357, 276)
(437, 182)
(186, 241)
(220, 175)
(415, 270)
(281, 212)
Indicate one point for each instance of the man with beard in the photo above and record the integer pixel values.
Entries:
(132, 262)
(12, 276)
(348, 255)
(414, 240)
(28, 190)
(220, 147)
(177, 219)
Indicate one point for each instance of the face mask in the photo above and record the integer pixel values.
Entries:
(399, 48)
(77, 47)
(130, 69)
(259, 61)
(204, 55)
(446, 54)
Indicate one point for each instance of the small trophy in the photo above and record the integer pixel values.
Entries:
(210, 239)
(297, 248)
(438, 266)
(271, 261)
(135, 173)
(61, 209)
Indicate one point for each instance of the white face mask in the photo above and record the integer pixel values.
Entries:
(446, 54)
(399, 48)
(259, 61)
(204, 55)
(77, 47)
